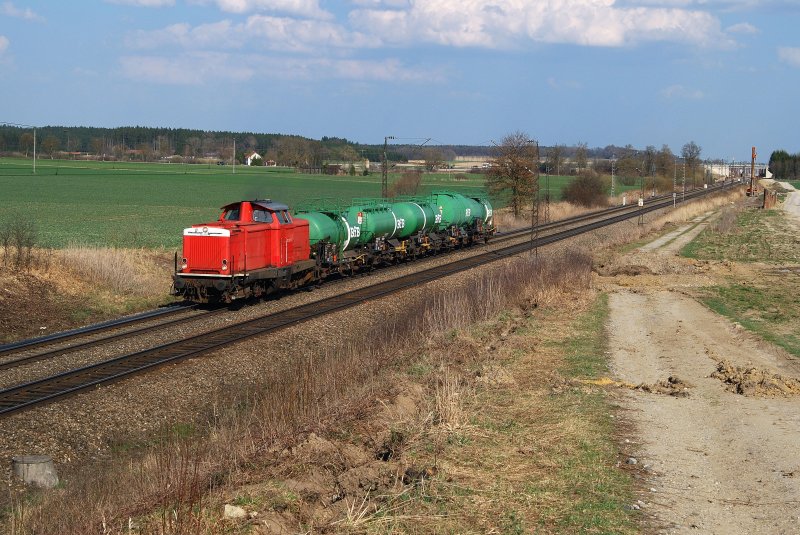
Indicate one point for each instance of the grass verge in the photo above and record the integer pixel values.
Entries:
(755, 236)
(769, 310)
(760, 293)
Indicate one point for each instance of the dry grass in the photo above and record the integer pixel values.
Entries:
(138, 272)
(162, 489)
(504, 218)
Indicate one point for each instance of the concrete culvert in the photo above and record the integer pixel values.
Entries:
(36, 470)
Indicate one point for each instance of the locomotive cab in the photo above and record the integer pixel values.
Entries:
(250, 241)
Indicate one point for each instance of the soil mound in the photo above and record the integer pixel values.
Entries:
(672, 386)
(755, 382)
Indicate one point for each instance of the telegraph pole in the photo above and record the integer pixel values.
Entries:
(385, 169)
(683, 197)
(613, 171)
(535, 202)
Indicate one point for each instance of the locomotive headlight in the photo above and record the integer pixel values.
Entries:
(224, 265)
(183, 263)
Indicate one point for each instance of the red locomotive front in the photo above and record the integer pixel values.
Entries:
(254, 247)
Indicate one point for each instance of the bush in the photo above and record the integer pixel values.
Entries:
(18, 237)
(588, 189)
(407, 184)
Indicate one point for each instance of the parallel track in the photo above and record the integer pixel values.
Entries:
(98, 336)
(28, 395)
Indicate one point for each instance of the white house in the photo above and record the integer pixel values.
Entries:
(248, 160)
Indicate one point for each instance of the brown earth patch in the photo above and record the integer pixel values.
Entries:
(755, 382)
(672, 386)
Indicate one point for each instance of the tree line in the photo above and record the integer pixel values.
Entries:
(785, 166)
(518, 162)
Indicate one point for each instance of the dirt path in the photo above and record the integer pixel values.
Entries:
(792, 204)
(674, 241)
(715, 461)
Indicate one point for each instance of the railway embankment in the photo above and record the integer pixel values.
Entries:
(472, 401)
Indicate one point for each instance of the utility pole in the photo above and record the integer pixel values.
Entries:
(683, 197)
(653, 174)
(753, 157)
(535, 202)
(674, 179)
(385, 169)
(234, 156)
(547, 194)
(613, 170)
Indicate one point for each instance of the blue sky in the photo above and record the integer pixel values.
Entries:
(723, 73)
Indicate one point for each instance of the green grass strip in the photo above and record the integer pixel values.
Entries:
(600, 490)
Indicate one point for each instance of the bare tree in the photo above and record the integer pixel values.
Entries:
(26, 142)
(691, 154)
(555, 158)
(50, 145)
(581, 157)
(665, 162)
(514, 170)
(433, 158)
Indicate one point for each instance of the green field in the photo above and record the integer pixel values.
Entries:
(147, 204)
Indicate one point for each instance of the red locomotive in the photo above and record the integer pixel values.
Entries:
(256, 241)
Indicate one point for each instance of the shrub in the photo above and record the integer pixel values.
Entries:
(588, 189)
(18, 237)
(407, 184)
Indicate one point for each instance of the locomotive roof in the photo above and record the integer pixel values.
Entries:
(266, 204)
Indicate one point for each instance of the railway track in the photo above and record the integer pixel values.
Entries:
(34, 350)
(41, 391)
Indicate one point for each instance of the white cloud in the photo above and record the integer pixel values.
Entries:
(201, 68)
(258, 31)
(190, 69)
(302, 8)
(10, 10)
(465, 23)
(4, 42)
(743, 28)
(143, 3)
(680, 92)
(790, 55)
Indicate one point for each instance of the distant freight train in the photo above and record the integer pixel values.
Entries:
(257, 247)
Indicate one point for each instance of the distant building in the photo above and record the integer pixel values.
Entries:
(248, 158)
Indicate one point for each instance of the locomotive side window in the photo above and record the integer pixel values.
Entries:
(262, 216)
(281, 217)
(232, 215)
(287, 216)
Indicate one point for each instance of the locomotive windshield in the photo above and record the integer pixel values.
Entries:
(262, 216)
(231, 215)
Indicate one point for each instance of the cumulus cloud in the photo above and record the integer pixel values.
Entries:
(302, 8)
(476, 23)
(744, 28)
(789, 55)
(680, 92)
(272, 33)
(143, 3)
(10, 10)
(3, 44)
